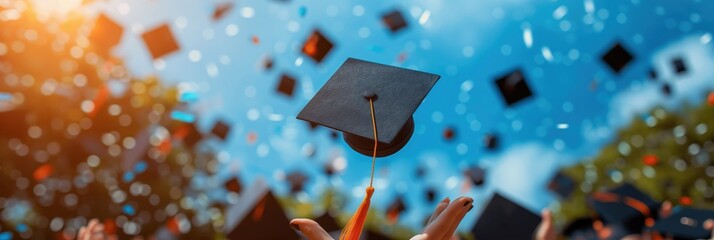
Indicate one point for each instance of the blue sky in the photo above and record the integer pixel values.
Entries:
(468, 43)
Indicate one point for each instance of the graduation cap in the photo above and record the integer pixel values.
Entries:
(193, 135)
(562, 185)
(394, 21)
(374, 235)
(625, 206)
(395, 209)
(286, 85)
(679, 66)
(343, 104)
(160, 41)
(667, 89)
(105, 34)
(476, 175)
(430, 194)
(233, 185)
(328, 223)
(449, 133)
(317, 46)
(258, 216)
(490, 141)
(266, 63)
(652, 73)
(297, 181)
(221, 10)
(687, 223)
(617, 58)
(581, 229)
(221, 129)
(513, 87)
(504, 219)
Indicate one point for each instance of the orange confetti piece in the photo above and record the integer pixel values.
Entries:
(172, 226)
(252, 137)
(43, 172)
(255, 40)
(109, 226)
(311, 45)
(684, 200)
(710, 99)
(99, 101)
(650, 159)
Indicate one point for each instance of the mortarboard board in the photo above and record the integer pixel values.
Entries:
(286, 85)
(258, 216)
(233, 185)
(394, 21)
(679, 66)
(317, 46)
(513, 87)
(328, 223)
(374, 235)
(625, 206)
(342, 104)
(160, 41)
(221, 10)
(687, 223)
(297, 181)
(105, 34)
(476, 175)
(490, 141)
(221, 129)
(617, 58)
(504, 219)
(562, 185)
(395, 209)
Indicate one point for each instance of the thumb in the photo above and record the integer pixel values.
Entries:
(310, 229)
(545, 228)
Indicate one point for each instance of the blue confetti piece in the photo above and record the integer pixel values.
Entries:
(302, 11)
(182, 116)
(21, 227)
(5, 236)
(128, 210)
(5, 96)
(140, 167)
(188, 97)
(128, 177)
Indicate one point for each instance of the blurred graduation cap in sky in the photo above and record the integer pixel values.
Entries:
(220, 129)
(562, 184)
(221, 10)
(581, 229)
(297, 181)
(105, 34)
(317, 46)
(490, 141)
(617, 58)
(233, 185)
(476, 175)
(395, 209)
(513, 87)
(343, 104)
(679, 66)
(286, 85)
(625, 206)
(504, 219)
(258, 215)
(394, 21)
(687, 223)
(160, 41)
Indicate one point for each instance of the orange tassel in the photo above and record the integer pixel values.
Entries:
(353, 229)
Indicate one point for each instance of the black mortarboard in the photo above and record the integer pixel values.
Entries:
(105, 34)
(667, 89)
(221, 9)
(617, 58)
(476, 175)
(652, 74)
(430, 194)
(297, 181)
(160, 41)
(328, 222)
(513, 87)
(504, 219)
(286, 85)
(490, 141)
(233, 185)
(258, 216)
(394, 21)
(581, 229)
(374, 235)
(687, 223)
(342, 104)
(221, 129)
(317, 46)
(395, 209)
(679, 66)
(626, 206)
(562, 185)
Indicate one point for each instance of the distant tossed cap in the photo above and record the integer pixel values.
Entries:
(581, 228)
(504, 219)
(343, 104)
(679, 66)
(160, 41)
(395, 209)
(562, 184)
(394, 21)
(513, 87)
(258, 215)
(286, 85)
(687, 223)
(297, 181)
(476, 174)
(490, 141)
(221, 10)
(106, 34)
(626, 206)
(317, 46)
(221, 129)
(617, 57)
(233, 185)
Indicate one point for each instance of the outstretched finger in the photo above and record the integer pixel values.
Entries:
(437, 229)
(310, 229)
(439, 209)
(456, 221)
